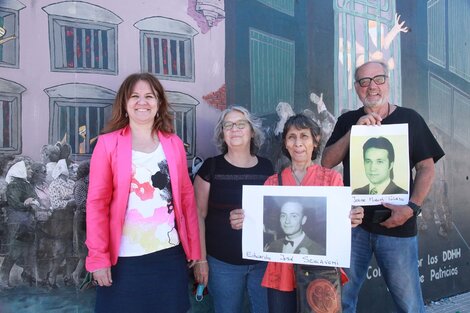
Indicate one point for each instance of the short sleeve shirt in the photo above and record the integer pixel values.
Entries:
(227, 180)
(422, 145)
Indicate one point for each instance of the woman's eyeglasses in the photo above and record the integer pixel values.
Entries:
(378, 80)
(229, 125)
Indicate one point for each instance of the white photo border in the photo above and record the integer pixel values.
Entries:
(361, 133)
(338, 224)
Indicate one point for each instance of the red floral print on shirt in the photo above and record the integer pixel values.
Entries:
(143, 191)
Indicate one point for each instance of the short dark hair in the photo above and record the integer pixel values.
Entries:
(380, 143)
(300, 121)
(83, 169)
(38, 169)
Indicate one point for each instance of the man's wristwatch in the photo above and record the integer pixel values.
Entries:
(416, 208)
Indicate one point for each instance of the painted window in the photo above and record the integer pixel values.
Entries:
(439, 93)
(79, 44)
(461, 103)
(449, 108)
(85, 48)
(9, 34)
(183, 108)
(365, 30)
(284, 6)
(447, 44)
(272, 71)
(167, 56)
(448, 47)
(78, 112)
(167, 48)
(459, 38)
(437, 32)
(10, 116)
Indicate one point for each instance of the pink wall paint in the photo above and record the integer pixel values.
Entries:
(34, 69)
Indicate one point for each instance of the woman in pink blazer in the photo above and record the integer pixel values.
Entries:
(142, 224)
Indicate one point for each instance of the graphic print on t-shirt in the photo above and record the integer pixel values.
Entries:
(150, 222)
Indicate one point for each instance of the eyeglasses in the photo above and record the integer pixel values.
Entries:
(378, 80)
(240, 124)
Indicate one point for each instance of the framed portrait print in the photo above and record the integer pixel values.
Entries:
(379, 164)
(297, 224)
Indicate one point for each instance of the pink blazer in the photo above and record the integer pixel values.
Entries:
(108, 193)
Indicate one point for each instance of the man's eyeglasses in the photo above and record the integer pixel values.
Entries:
(240, 124)
(378, 80)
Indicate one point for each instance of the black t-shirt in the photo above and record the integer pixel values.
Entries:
(422, 145)
(227, 180)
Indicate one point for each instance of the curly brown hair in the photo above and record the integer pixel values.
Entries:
(119, 118)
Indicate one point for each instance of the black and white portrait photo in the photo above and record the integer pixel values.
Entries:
(297, 224)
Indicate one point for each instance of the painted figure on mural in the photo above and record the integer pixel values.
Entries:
(21, 223)
(3, 35)
(43, 213)
(49, 230)
(38, 180)
(82, 148)
(436, 207)
(323, 118)
(271, 148)
(377, 49)
(4, 159)
(320, 115)
(50, 155)
(60, 226)
(79, 220)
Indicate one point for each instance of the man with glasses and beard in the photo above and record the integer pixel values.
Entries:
(393, 241)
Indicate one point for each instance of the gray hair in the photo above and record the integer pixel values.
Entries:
(255, 123)
(381, 63)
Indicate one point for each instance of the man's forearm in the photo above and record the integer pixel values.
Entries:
(334, 154)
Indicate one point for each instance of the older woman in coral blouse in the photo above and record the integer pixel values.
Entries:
(300, 139)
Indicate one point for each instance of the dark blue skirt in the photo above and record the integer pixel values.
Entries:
(154, 283)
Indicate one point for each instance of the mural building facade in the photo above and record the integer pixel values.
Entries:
(61, 63)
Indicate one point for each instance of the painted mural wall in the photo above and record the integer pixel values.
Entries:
(61, 63)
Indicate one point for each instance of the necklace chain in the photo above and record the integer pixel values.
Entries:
(298, 181)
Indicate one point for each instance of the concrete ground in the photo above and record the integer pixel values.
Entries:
(456, 304)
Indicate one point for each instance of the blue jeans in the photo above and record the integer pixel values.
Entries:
(229, 283)
(397, 258)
